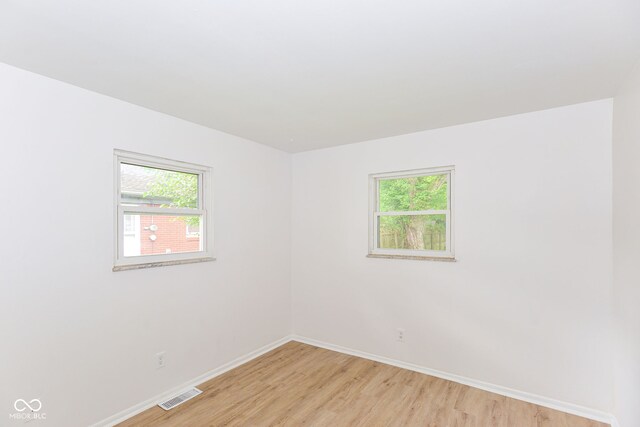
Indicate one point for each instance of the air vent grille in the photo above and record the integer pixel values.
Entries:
(181, 398)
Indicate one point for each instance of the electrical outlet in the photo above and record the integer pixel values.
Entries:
(160, 359)
(400, 335)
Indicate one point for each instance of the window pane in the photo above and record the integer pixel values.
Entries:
(162, 234)
(129, 224)
(145, 186)
(420, 193)
(414, 232)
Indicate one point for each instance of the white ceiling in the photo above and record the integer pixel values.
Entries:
(300, 75)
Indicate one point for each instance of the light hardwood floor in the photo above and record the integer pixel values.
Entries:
(298, 384)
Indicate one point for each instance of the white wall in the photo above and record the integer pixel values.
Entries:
(626, 238)
(82, 338)
(526, 306)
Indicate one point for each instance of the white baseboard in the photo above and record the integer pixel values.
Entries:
(570, 408)
(149, 403)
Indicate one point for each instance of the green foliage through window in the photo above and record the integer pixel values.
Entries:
(175, 190)
(414, 194)
(415, 232)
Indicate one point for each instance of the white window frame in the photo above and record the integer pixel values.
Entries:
(375, 214)
(204, 209)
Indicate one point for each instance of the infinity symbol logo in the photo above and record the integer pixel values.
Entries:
(21, 405)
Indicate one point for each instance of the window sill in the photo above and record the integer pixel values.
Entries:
(413, 257)
(125, 267)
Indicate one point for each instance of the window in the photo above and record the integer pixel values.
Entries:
(163, 212)
(411, 214)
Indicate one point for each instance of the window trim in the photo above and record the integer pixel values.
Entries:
(205, 209)
(375, 214)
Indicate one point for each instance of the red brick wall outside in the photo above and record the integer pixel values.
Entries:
(171, 234)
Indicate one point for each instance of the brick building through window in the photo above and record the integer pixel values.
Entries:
(146, 234)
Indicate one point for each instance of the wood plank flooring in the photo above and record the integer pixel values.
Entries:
(298, 384)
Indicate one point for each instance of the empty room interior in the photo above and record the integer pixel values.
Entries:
(320, 213)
